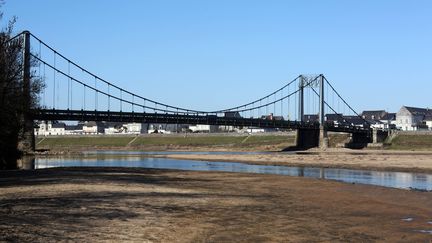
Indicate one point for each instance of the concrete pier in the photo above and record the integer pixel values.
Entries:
(307, 138)
(323, 138)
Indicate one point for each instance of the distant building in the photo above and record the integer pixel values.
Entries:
(354, 121)
(413, 118)
(310, 118)
(375, 115)
(49, 128)
(389, 117)
(40, 128)
(428, 121)
(388, 121)
(133, 128)
(271, 117)
(258, 130)
(380, 119)
(227, 129)
(74, 129)
(92, 127)
(124, 128)
(164, 128)
(204, 128)
(336, 118)
(114, 128)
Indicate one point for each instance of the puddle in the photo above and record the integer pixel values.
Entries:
(425, 231)
(408, 219)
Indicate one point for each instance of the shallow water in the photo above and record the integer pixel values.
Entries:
(404, 180)
(108, 152)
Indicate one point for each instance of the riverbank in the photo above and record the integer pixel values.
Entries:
(168, 142)
(121, 204)
(278, 141)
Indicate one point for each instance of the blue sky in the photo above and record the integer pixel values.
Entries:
(213, 54)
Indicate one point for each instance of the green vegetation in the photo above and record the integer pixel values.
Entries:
(411, 142)
(163, 141)
(51, 142)
(189, 141)
(269, 140)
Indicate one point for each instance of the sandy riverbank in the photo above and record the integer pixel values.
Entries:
(139, 205)
(409, 161)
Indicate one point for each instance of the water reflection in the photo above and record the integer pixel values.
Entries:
(26, 163)
(388, 179)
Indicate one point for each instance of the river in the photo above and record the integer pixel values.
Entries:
(402, 180)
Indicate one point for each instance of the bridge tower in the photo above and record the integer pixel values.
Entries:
(309, 138)
(26, 142)
(301, 98)
(323, 138)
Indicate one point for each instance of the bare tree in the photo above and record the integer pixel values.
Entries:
(12, 102)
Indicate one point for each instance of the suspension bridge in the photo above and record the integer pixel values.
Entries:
(309, 104)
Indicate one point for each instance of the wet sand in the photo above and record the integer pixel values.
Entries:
(381, 160)
(139, 205)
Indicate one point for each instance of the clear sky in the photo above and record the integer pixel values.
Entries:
(214, 54)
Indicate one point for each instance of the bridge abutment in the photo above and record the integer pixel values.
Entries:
(359, 140)
(379, 136)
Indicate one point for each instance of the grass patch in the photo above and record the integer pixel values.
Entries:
(411, 142)
(181, 141)
(267, 140)
(189, 141)
(84, 141)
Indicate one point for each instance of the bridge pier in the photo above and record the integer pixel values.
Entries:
(323, 138)
(307, 138)
(312, 138)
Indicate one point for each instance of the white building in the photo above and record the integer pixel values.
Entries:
(158, 128)
(413, 118)
(48, 128)
(41, 128)
(257, 130)
(428, 122)
(203, 128)
(133, 128)
(227, 129)
(74, 129)
(114, 128)
(93, 128)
